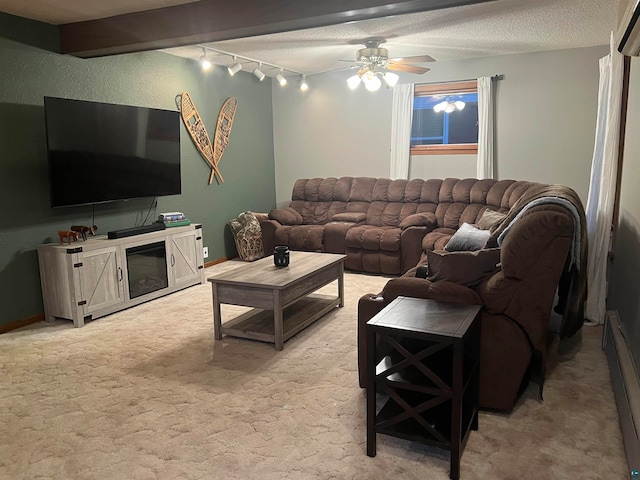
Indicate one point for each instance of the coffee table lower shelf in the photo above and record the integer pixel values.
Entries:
(258, 324)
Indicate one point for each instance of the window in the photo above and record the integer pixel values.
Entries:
(445, 119)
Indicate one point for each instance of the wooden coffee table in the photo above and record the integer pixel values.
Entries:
(282, 297)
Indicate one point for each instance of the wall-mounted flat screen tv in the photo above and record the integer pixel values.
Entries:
(101, 152)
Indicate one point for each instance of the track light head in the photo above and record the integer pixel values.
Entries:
(235, 68)
(259, 73)
(204, 61)
(304, 86)
(281, 80)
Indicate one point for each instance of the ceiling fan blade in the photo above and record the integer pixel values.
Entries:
(401, 67)
(415, 59)
(363, 70)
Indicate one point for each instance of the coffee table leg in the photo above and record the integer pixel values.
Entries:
(341, 284)
(217, 320)
(277, 319)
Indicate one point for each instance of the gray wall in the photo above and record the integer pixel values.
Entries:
(545, 122)
(27, 74)
(624, 286)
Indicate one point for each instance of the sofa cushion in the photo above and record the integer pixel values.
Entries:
(308, 238)
(370, 237)
(426, 219)
(354, 217)
(467, 238)
(490, 218)
(286, 216)
(463, 268)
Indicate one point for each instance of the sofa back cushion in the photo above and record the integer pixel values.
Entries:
(388, 202)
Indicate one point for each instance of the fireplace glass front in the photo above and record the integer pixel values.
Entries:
(147, 269)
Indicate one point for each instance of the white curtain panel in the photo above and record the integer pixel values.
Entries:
(485, 167)
(401, 118)
(604, 168)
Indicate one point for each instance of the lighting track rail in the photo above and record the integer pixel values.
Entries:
(258, 70)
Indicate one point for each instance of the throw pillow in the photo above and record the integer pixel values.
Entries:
(354, 217)
(467, 238)
(490, 218)
(426, 219)
(286, 216)
(463, 268)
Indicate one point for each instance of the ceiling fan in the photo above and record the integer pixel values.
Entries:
(373, 60)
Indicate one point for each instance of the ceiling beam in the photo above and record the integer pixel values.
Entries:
(216, 20)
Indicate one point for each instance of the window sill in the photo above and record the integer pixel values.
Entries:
(457, 149)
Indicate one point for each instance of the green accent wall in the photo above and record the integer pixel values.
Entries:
(151, 79)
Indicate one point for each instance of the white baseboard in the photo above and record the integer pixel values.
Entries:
(626, 386)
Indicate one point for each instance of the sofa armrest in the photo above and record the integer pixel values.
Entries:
(335, 234)
(426, 219)
(442, 291)
(411, 246)
(268, 228)
(286, 216)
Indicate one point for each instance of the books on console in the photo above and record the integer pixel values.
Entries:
(173, 219)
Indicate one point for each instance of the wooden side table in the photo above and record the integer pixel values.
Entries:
(424, 356)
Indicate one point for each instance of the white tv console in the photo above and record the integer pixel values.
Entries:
(89, 279)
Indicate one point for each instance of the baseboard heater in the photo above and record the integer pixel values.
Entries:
(626, 387)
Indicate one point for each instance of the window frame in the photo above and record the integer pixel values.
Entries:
(425, 90)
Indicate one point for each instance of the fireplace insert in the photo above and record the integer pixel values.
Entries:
(147, 268)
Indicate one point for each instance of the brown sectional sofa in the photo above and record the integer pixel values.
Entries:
(380, 223)
(391, 226)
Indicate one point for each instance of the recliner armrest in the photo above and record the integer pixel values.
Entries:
(442, 291)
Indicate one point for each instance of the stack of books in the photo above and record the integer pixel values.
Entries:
(173, 219)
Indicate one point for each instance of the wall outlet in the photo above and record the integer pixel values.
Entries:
(205, 252)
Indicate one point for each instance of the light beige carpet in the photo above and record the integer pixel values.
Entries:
(147, 394)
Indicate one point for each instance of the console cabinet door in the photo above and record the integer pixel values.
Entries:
(185, 257)
(101, 279)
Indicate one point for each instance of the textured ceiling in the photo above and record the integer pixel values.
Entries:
(494, 28)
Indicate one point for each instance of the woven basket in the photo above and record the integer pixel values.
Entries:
(247, 236)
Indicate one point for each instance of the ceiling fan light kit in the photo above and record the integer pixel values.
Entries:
(448, 106)
(354, 81)
(374, 63)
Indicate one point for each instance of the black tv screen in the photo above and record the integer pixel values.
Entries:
(100, 152)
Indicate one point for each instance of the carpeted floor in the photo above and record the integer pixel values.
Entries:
(147, 394)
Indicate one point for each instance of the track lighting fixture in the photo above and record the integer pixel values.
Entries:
(236, 65)
(259, 74)
(304, 86)
(235, 68)
(281, 80)
(204, 61)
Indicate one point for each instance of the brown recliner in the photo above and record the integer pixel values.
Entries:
(516, 300)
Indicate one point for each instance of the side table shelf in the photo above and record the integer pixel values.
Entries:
(426, 357)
